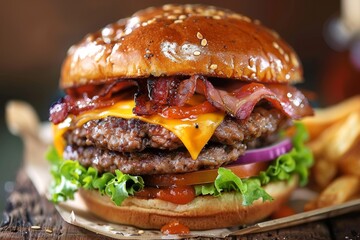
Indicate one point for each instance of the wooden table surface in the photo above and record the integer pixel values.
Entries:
(27, 215)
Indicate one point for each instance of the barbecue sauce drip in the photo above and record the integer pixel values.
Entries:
(177, 195)
(175, 228)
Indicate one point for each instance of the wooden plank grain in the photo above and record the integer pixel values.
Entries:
(346, 227)
(28, 215)
(314, 230)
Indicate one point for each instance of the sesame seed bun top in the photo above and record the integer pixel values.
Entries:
(182, 40)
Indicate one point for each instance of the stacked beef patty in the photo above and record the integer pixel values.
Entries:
(136, 146)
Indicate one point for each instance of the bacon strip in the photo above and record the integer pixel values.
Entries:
(185, 91)
(242, 101)
(143, 104)
(86, 98)
(293, 101)
(168, 97)
(161, 93)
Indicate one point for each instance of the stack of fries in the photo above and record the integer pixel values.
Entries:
(335, 142)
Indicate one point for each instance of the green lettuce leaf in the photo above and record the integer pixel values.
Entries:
(69, 176)
(123, 185)
(297, 161)
(227, 181)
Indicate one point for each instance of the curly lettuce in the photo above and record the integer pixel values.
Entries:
(297, 161)
(69, 176)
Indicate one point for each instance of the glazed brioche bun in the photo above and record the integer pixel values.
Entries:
(182, 40)
(204, 212)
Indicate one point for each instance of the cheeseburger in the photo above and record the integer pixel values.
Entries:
(179, 113)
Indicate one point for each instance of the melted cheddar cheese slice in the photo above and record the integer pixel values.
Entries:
(194, 132)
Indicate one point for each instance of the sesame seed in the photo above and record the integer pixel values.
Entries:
(199, 10)
(181, 17)
(286, 56)
(216, 17)
(199, 35)
(197, 53)
(141, 231)
(236, 16)
(275, 45)
(281, 51)
(36, 227)
(178, 21)
(246, 19)
(213, 66)
(144, 24)
(257, 22)
(177, 11)
(294, 60)
(210, 10)
(168, 7)
(172, 17)
(275, 34)
(203, 42)
(151, 21)
(48, 230)
(188, 10)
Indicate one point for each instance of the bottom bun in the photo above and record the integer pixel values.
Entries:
(204, 212)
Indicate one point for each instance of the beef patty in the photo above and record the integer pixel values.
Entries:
(137, 147)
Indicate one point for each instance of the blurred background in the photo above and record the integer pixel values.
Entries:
(35, 36)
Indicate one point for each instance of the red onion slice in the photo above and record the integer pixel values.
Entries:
(266, 153)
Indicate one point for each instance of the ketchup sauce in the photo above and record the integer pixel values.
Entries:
(178, 195)
(175, 228)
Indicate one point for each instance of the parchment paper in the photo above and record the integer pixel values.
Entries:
(22, 121)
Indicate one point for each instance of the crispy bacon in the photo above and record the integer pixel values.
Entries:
(161, 93)
(169, 97)
(143, 104)
(185, 91)
(86, 98)
(293, 101)
(242, 101)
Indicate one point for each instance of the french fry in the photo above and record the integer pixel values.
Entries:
(337, 139)
(318, 144)
(350, 164)
(335, 142)
(339, 191)
(344, 139)
(324, 172)
(325, 117)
